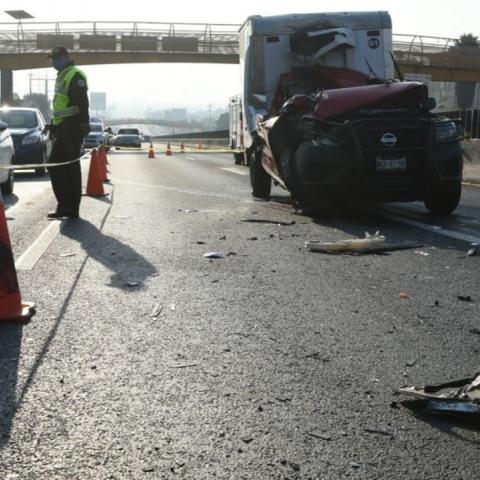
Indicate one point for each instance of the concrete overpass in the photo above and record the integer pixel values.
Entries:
(25, 45)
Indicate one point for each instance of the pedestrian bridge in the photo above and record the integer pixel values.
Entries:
(24, 45)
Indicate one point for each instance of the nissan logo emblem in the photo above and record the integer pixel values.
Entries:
(389, 139)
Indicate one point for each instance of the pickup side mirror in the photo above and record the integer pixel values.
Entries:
(429, 103)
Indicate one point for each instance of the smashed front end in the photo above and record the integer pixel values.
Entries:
(376, 142)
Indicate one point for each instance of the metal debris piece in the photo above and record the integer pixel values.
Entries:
(67, 255)
(252, 238)
(129, 283)
(472, 252)
(320, 436)
(214, 255)
(411, 363)
(420, 252)
(459, 397)
(156, 311)
(184, 365)
(476, 331)
(199, 242)
(189, 210)
(172, 307)
(272, 222)
(465, 298)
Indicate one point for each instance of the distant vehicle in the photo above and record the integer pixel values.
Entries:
(7, 155)
(126, 140)
(95, 138)
(31, 141)
(128, 131)
(236, 128)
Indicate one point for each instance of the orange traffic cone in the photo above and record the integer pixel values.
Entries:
(102, 162)
(182, 148)
(95, 183)
(12, 309)
(151, 153)
(169, 150)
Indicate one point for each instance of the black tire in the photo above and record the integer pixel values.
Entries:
(443, 201)
(259, 178)
(7, 187)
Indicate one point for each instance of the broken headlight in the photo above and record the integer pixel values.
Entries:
(445, 132)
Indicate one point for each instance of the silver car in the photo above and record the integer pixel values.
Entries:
(7, 155)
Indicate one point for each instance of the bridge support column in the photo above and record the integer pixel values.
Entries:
(6, 87)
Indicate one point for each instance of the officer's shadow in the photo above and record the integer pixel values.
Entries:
(130, 270)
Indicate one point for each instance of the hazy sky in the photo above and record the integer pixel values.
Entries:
(136, 87)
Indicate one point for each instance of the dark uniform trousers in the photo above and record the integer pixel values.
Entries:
(67, 179)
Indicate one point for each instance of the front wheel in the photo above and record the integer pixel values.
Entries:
(259, 178)
(443, 201)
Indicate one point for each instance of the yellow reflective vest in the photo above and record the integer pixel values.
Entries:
(61, 103)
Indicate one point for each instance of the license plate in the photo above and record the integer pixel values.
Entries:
(391, 164)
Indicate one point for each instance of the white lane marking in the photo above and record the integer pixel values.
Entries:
(425, 226)
(238, 171)
(32, 254)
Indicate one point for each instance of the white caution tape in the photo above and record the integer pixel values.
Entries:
(37, 165)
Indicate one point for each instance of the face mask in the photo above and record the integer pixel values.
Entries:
(59, 63)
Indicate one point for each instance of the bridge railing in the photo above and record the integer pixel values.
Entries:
(36, 37)
(199, 38)
(434, 52)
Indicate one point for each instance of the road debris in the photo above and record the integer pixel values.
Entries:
(465, 298)
(64, 255)
(476, 331)
(188, 210)
(403, 295)
(411, 362)
(272, 222)
(320, 436)
(459, 397)
(371, 243)
(172, 307)
(472, 252)
(214, 255)
(156, 311)
(184, 365)
(420, 252)
(130, 283)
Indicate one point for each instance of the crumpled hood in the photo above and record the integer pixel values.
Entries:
(342, 100)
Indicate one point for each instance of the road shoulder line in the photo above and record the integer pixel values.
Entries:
(34, 252)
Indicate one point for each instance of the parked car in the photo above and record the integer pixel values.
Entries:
(7, 155)
(134, 141)
(95, 138)
(31, 141)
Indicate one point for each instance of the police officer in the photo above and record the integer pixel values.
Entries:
(69, 126)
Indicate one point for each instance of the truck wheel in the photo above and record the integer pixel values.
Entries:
(259, 178)
(443, 201)
(7, 187)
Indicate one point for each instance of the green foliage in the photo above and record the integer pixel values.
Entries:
(467, 40)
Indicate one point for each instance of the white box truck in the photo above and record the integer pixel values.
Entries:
(324, 118)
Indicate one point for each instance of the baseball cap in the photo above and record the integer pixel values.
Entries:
(57, 51)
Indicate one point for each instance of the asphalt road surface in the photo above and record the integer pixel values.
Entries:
(147, 360)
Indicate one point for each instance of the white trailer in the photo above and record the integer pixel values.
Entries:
(271, 46)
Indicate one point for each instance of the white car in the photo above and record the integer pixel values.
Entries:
(7, 154)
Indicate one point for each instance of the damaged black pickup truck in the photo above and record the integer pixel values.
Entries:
(373, 142)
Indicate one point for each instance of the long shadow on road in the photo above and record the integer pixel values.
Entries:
(128, 267)
(10, 344)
